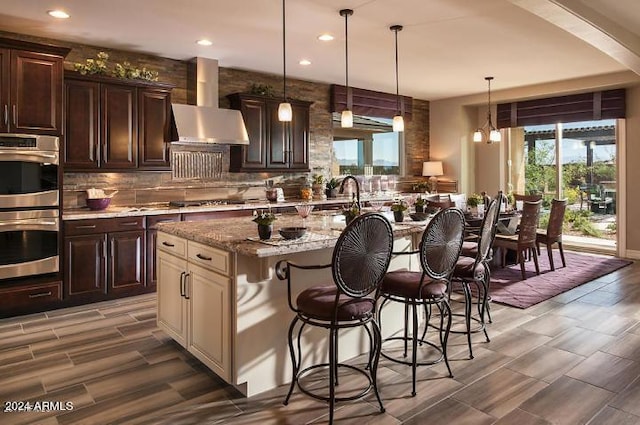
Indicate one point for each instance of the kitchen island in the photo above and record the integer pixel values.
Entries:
(218, 295)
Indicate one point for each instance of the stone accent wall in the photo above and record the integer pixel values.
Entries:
(140, 187)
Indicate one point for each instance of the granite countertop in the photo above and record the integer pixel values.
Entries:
(164, 208)
(240, 235)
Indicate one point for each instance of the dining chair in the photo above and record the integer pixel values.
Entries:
(360, 260)
(475, 270)
(553, 233)
(524, 241)
(438, 252)
(525, 198)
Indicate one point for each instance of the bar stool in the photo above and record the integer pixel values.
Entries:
(438, 252)
(361, 258)
(475, 270)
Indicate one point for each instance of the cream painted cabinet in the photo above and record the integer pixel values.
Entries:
(194, 304)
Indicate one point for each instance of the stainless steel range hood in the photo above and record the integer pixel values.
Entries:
(203, 124)
(206, 123)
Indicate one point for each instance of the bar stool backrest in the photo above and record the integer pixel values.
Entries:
(441, 243)
(488, 228)
(362, 255)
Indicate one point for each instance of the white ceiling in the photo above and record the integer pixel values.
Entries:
(446, 49)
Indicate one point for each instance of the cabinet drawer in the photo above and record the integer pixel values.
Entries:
(153, 220)
(30, 295)
(172, 244)
(123, 224)
(208, 257)
(85, 227)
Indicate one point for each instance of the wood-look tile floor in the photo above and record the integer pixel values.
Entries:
(574, 359)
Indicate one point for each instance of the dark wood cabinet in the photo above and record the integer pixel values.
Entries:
(152, 235)
(31, 87)
(111, 124)
(273, 145)
(104, 258)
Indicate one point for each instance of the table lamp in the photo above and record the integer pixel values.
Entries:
(432, 169)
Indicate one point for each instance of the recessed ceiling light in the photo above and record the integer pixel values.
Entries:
(60, 14)
(325, 37)
(204, 42)
(305, 62)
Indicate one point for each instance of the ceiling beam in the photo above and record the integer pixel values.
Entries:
(590, 26)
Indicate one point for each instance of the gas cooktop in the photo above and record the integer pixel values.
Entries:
(206, 202)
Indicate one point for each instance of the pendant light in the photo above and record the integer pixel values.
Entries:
(284, 109)
(398, 120)
(488, 128)
(346, 120)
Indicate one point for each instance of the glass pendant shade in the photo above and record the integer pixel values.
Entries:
(284, 112)
(494, 136)
(398, 123)
(346, 120)
(477, 136)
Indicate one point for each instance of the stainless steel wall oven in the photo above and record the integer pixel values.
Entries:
(29, 205)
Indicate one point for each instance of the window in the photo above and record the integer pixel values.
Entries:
(371, 142)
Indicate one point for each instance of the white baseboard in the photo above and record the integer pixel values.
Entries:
(632, 254)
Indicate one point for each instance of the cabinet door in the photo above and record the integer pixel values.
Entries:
(36, 93)
(119, 126)
(278, 139)
(4, 90)
(172, 306)
(126, 262)
(299, 138)
(81, 145)
(153, 122)
(85, 265)
(209, 315)
(253, 156)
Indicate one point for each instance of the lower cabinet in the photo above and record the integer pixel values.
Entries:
(194, 299)
(104, 258)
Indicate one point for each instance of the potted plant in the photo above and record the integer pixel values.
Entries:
(332, 187)
(265, 220)
(318, 186)
(351, 212)
(473, 201)
(420, 203)
(398, 208)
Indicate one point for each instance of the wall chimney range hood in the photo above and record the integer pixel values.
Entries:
(206, 123)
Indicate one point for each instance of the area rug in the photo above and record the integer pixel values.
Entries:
(507, 286)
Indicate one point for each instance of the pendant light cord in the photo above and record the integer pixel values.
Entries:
(395, 29)
(284, 54)
(491, 127)
(346, 50)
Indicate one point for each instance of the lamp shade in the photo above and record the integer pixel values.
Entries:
(398, 123)
(346, 119)
(432, 168)
(284, 111)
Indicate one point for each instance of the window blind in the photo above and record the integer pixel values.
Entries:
(368, 102)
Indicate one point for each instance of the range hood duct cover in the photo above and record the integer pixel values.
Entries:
(204, 124)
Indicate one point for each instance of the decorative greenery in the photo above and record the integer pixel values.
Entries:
(93, 66)
(264, 217)
(262, 89)
(318, 179)
(332, 183)
(420, 187)
(399, 206)
(351, 212)
(98, 66)
(474, 200)
(420, 201)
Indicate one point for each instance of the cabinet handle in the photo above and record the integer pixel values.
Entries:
(104, 250)
(185, 285)
(40, 295)
(15, 115)
(182, 275)
(165, 243)
(131, 223)
(112, 247)
(6, 115)
(203, 257)
(86, 226)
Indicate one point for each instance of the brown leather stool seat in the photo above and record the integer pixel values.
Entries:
(318, 302)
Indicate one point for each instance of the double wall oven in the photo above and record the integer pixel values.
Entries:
(29, 205)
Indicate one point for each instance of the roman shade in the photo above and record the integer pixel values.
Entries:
(368, 102)
(608, 104)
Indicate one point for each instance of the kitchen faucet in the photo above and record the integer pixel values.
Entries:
(350, 177)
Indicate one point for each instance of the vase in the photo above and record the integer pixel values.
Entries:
(264, 231)
(420, 208)
(332, 193)
(398, 216)
(348, 218)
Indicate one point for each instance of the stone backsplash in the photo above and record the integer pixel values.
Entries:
(140, 187)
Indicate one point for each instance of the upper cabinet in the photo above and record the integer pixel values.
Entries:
(273, 145)
(114, 124)
(31, 87)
